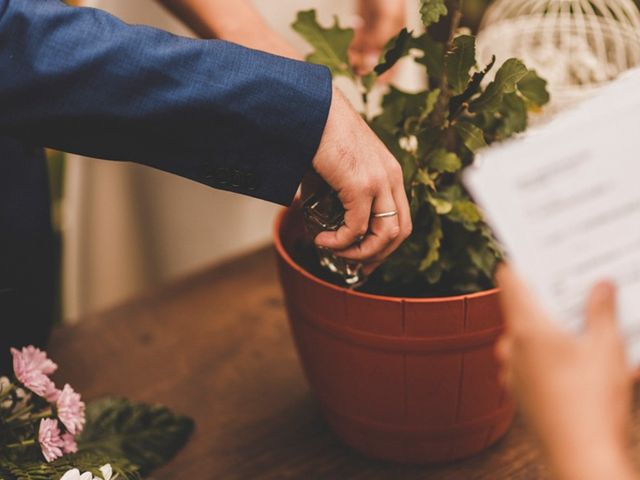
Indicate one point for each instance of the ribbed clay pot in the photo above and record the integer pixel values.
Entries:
(402, 379)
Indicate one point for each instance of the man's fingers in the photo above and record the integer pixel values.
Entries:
(356, 225)
(601, 307)
(404, 220)
(382, 232)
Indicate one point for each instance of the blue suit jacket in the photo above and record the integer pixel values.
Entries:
(79, 80)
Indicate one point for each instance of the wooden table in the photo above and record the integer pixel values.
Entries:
(216, 346)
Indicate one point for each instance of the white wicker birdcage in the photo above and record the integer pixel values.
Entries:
(577, 45)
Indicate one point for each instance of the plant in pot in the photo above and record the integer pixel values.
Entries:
(403, 367)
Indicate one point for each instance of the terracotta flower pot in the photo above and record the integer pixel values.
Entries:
(401, 379)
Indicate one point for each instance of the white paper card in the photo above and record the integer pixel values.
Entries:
(565, 203)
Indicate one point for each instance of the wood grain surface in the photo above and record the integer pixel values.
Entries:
(216, 346)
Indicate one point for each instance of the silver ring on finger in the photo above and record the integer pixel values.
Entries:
(393, 213)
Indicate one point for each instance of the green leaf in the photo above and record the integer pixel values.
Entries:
(534, 89)
(397, 107)
(513, 116)
(505, 82)
(442, 206)
(483, 258)
(465, 212)
(432, 10)
(444, 161)
(433, 58)
(423, 177)
(471, 135)
(432, 99)
(434, 241)
(331, 44)
(147, 435)
(473, 88)
(397, 48)
(459, 61)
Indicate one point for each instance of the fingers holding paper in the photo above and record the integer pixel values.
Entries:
(571, 388)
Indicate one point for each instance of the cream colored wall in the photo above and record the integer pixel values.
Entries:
(129, 228)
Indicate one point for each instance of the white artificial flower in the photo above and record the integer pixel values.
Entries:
(409, 143)
(74, 474)
(107, 472)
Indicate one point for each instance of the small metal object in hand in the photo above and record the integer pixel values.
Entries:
(323, 212)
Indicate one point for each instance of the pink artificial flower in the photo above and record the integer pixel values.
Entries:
(50, 440)
(69, 444)
(70, 410)
(51, 393)
(32, 368)
(36, 359)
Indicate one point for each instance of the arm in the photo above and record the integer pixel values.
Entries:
(575, 392)
(236, 21)
(79, 80)
(239, 22)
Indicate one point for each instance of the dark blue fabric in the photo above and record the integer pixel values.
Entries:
(26, 248)
(81, 81)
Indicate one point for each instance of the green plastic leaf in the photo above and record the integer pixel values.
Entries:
(434, 241)
(432, 11)
(459, 62)
(331, 44)
(505, 82)
(147, 435)
(471, 135)
(534, 89)
(397, 48)
(444, 161)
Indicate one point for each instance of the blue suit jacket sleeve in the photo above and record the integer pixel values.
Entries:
(80, 80)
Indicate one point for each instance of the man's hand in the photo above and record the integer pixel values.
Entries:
(381, 20)
(368, 179)
(574, 391)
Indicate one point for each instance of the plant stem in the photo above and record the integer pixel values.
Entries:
(23, 443)
(44, 414)
(19, 413)
(442, 105)
(456, 16)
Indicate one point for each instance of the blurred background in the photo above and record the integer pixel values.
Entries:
(124, 229)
